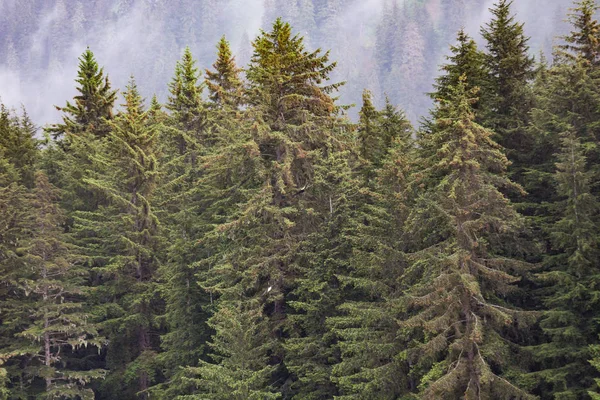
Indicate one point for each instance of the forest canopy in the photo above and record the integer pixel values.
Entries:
(247, 239)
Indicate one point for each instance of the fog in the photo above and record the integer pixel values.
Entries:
(40, 41)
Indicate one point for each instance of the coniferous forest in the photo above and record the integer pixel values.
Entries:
(248, 239)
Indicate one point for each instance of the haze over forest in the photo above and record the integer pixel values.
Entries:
(40, 41)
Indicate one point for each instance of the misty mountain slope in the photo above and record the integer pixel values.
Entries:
(391, 47)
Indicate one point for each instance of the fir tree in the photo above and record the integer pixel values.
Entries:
(584, 41)
(17, 138)
(459, 280)
(14, 231)
(92, 108)
(185, 100)
(372, 350)
(466, 59)
(183, 139)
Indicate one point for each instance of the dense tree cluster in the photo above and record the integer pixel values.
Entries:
(246, 240)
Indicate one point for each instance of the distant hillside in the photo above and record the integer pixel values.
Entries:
(389, 47)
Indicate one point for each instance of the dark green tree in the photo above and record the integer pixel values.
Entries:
(53, 286)
(572, 273)
(507, 92)
(183, 141)
(17, 138)
(274, 162)
(127, 248)
(584, 41)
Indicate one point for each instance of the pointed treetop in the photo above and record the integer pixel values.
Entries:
(93, 106)
(224, 83)
(185, 99)
(133, 101)
(584, 41)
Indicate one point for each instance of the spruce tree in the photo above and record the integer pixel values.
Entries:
(510, 72)
(17, 138)
(584, 40)
(92, 108)
(567, 113)
(183, 141)
(372, 362)
(464, 263)
(571, 272)
(273, 163)
(465, 59)
(53, 287)
(14, 231)
(224, 83)
(127, 248)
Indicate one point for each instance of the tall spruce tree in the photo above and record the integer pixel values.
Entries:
(372, 350)
(465, 59)
(584, 40)
(567, 115)
(17, 138)
(510, 72)
(261, 242)
(127, 247)
(572, 271)
(183, 141)
(464, 263)
(14, 231)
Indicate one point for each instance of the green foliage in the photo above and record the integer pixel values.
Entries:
(17, 139)
(224, 84)
(93, 106)
(259, 245)
(50, 302)
(461, 272)
(127, 245)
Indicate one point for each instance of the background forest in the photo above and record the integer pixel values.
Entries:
(241, 237)
(392, 47)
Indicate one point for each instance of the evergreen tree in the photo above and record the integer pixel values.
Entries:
(17, 138)
(584, 41)
(373, 362)
(572, 272)
(57, 324)
(290, 127)
(224, 84)
(567, 115)
(370, 140)
(93, 106)
(510, 71)
(464, 264)
(127, 247)
(185, 100)
(14, 231)
(467, 60)
(183, 140)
